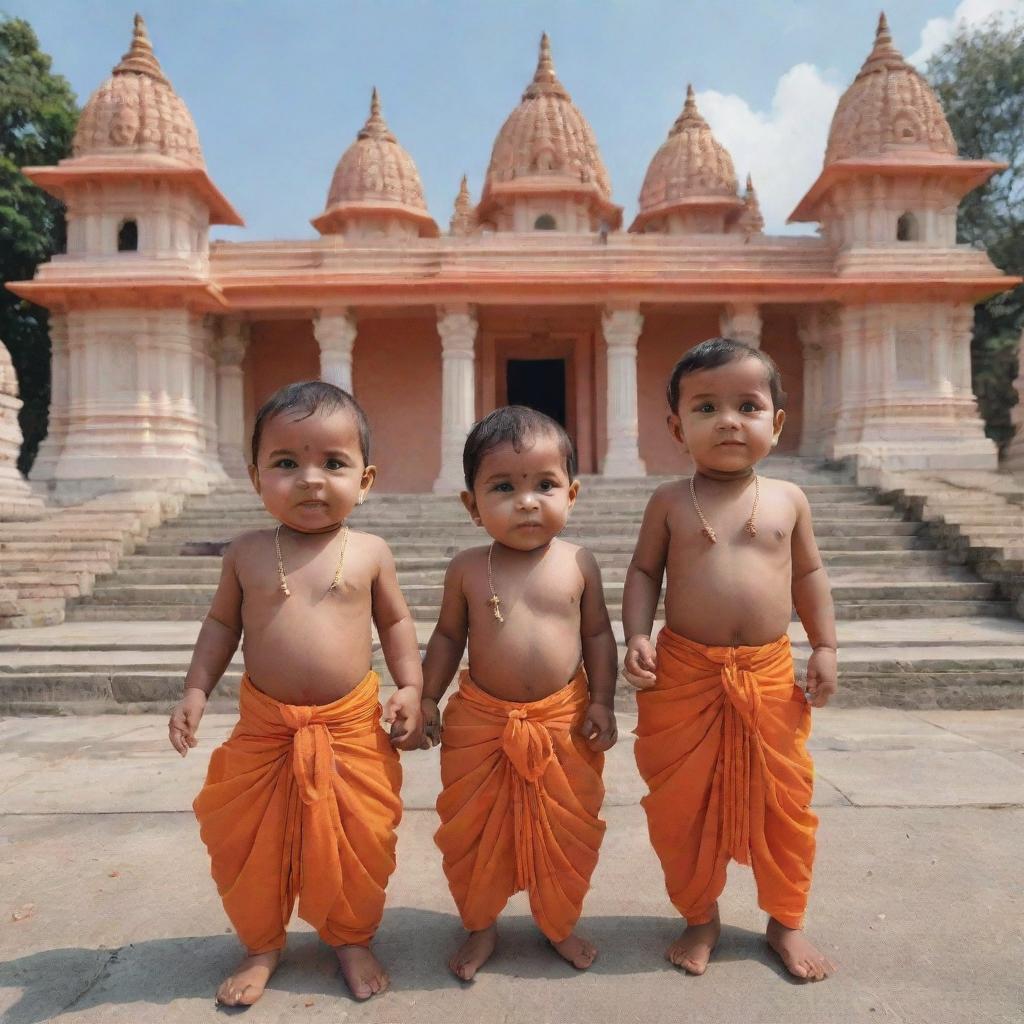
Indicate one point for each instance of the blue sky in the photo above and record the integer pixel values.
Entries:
(279, 90)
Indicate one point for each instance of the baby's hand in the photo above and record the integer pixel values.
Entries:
(431, 723)
(402, 713)
(598, 727)
(185, 719)
(640, 663)
(822, 672)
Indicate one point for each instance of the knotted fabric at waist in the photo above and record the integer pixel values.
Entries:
(310, 729)
(526, 739)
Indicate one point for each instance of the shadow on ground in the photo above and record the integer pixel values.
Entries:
(414, 945)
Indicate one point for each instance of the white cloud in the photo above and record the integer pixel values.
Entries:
(782, 148)
(938, 31)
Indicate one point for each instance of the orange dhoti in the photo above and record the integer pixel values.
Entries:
(302, 801)
(520, 803)
(721, 744)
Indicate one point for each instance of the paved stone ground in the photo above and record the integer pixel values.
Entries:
(107, 911)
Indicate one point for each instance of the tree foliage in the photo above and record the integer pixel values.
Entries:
(979, 78)
(38, 114)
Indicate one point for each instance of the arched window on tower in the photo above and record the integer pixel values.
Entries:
(908, 229)
(545, 222)
(128, 237)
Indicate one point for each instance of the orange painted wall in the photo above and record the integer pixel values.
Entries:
(665, 337)
(280, 352)
(779, 339)
(396, 376)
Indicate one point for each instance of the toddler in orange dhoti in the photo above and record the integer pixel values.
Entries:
(302, 800)
(722, 722)
(522, 740)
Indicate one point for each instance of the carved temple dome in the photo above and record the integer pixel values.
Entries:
(375, 179)
(691, 170)
(546, 146)
(136, 112)
(889, 111)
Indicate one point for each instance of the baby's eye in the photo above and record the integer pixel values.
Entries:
(504, 488)
(706, 407)
(334, 464)
(748, 407)
(546, 485)
(286, 464)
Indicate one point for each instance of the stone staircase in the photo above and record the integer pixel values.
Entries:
(918, 627)
(881, 563)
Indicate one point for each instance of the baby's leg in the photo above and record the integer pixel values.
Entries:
(246, 984)
(576, 950)
(799, 956)
(692, 950)
(474, 952)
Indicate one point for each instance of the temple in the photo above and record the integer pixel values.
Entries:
(165, 344)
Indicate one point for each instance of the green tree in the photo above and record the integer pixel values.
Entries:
(38, 114)
(979, 77)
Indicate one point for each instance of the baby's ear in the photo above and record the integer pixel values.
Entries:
(254, 478)
(469, 501)
(675, 428)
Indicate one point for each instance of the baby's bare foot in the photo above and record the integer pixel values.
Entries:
(693, 949)
(249, 980)
(362, 971)
(800, 958)
(474, 953)
(580, 953)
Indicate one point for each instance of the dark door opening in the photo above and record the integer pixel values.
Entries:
(538, 383)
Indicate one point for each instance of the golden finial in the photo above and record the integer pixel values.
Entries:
(545, 79)
(375, 127)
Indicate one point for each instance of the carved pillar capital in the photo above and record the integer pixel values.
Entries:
(335, 331)
(229, 348)
(457, 327)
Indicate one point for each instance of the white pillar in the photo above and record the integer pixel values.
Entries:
(457, 328)
(336, 331)
(813, 407)
(231, 445)
(622, 329)
(1015, 451)
(57, 424)
(742, 322)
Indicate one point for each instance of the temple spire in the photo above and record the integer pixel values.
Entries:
(462, 216)
(884, 52)
(140, 59)
(375, 127)
(545, 78)
(751, 219)
(691, 116)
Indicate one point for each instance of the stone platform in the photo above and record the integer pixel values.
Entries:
(108, 914)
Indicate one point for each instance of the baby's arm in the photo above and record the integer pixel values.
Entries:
(445, 649)
(599, 657)
(215, 646)
(642, 590)
(812, 598)
(397, 632)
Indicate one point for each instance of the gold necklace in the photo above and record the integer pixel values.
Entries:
(495, 601)
(708, 531)
(280, 562)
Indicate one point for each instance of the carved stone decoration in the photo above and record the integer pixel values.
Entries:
(137, 111)
(546, 134)
(375, 175)
(690, 164)
(16, 498)
(750, 221)
(462, 221)
(889, 110)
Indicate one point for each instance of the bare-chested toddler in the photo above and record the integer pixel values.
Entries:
(722, 721)
(523, 738)
(302, 800)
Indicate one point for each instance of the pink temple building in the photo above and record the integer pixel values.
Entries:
(164, 345)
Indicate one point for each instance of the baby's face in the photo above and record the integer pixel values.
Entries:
(726, 419)
(310, 473)
(522, 499)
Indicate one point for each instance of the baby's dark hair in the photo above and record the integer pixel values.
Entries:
(514, 425)
(310, 397)
(715, 352)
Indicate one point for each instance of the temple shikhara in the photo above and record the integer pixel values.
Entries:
(164, 344)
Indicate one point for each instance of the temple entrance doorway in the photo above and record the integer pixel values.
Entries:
(539, 384)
